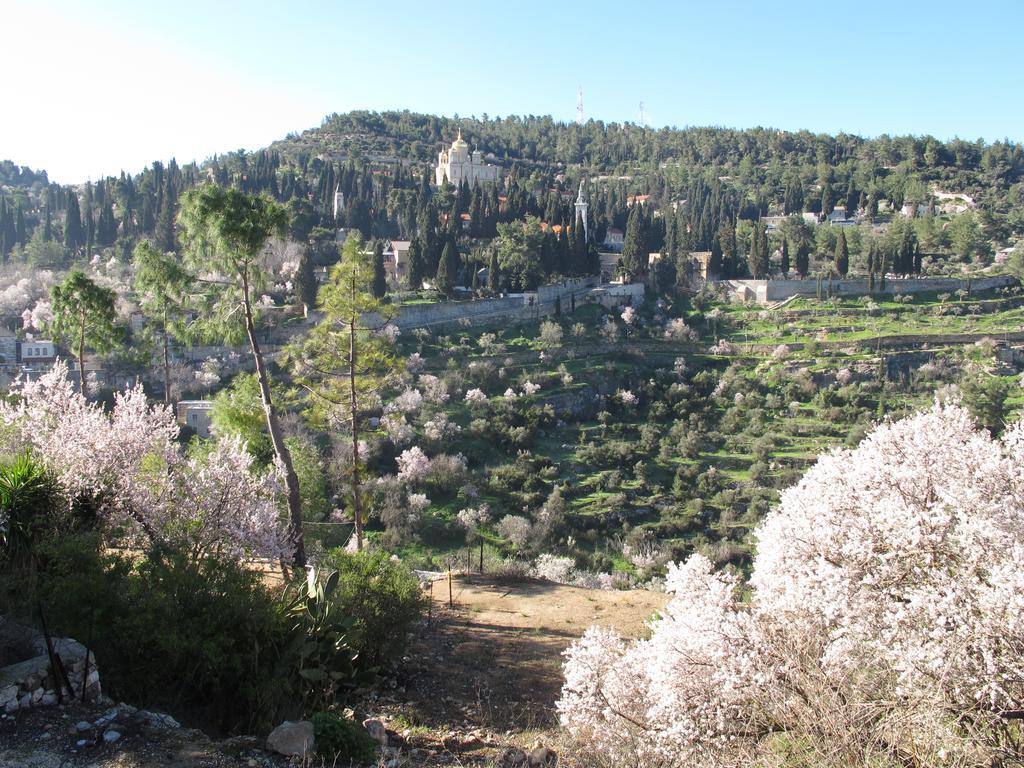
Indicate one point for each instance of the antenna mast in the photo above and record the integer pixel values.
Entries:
(643, 117)
(579, 105)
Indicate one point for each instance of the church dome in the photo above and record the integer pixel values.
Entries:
(459, 143)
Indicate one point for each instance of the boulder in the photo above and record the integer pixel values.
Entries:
(292, 737)
(375, 728)
(542, 757)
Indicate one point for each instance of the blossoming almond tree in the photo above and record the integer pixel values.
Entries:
(883, 623)
(146, 492)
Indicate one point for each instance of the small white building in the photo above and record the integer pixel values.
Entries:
(614, 239)
(41, 352)
(197, 414)
(396, 262)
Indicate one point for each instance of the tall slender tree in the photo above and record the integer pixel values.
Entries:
(84, 315)
(842, 259)
(226, 232)
(162, 285)
(379, 286)
(348, 358)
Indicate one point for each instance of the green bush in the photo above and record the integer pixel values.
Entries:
(201, 640)
(339, 739)
(382, 597)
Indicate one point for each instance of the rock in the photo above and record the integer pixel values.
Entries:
(157, 720)
(8, 693)
(25, 701)
(292, 737)
(82, 743)
(82, 726)
(37, 695)
(111, 736)
(49, 699)
(542, 756)
(513, 757)
(375, 728)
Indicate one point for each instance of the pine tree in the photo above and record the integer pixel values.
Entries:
(842, 260)
(379, 285)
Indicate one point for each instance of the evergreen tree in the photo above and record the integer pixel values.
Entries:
(444, 281)
(785, 257)
(305, 282)
(417, 265)
(84, 314)
(73, 235)
(826, 198)
(803, 259)
(917, 258)
(635, 247)
(842, 256)
(492, 272)
(379, 285)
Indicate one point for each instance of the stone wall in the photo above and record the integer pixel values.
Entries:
(517, 307)
(767, 291)
(27, 680)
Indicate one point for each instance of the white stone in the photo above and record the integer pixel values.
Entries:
(8, 693)
(292, 738)
(48, 700)
(111, 736)
(83, 725)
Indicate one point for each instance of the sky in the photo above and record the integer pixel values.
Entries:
(93, 88)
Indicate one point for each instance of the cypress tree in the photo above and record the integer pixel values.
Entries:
(417, 266)
(785, 257)
(72, 224)
(444, 280)
(842, 260)
(379, 286)
(803, 259)
(492, 272)
(917, 258)
(634, 246)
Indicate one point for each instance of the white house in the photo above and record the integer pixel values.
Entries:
(196, 414)
(41, 352)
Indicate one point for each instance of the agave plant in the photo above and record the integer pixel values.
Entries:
(29, 500)
(322, 649)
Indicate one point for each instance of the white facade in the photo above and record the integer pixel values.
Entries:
(456, 165)
(196, 414)
(38, 351)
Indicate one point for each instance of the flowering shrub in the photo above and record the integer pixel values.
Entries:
(475, 396)
(529, 388)
(560, 570)
(678, 329)
(143, 486)
(884, 617)
(722, 347)
(440, 428)
(781, 351)
(434, 389)
(627, 398)
(511, 394)
(415, 363)
(516, 529)
(629, 316)
(410, 401)
(413, 464)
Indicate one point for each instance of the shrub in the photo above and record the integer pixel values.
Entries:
(383, 598)
(341, 739)
(200, 639)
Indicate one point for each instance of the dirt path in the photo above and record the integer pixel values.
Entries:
(494, 660)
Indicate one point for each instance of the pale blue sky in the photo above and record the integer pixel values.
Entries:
(112, 84)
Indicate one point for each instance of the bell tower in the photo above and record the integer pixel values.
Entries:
(581, 210)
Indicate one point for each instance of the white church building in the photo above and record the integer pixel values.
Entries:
(456, 165)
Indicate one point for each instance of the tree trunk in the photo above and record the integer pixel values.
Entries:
(357, 512)
(81, 360)
(167, 367)
(291, 480)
